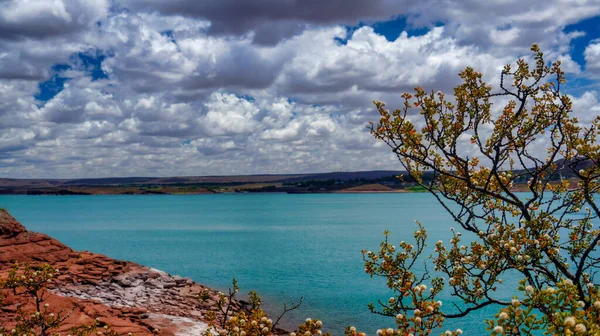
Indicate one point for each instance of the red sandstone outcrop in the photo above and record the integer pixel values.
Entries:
(127, 296)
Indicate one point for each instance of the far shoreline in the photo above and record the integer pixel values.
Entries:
(227, 193)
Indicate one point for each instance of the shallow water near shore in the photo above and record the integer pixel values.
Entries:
(283, 246)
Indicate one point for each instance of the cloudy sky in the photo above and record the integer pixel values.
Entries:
(94, 88)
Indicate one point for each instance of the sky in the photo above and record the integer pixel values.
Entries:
(98, 88)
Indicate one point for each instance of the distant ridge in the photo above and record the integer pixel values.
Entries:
(176, 184)
(290, 183)
(258, 178)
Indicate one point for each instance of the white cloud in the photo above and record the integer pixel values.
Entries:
(80, 100)
(592, 57)
(229, 115)
(504, 37)
(586, 107)
(185, 96)
(369, 62)
(49, 18)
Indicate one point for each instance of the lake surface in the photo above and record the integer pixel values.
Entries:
(283, 246)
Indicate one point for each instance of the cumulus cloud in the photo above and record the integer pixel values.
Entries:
(35, 35)
(81, 100)
(369, 62)
(229, 115)
(506, 23)
(270, 21)
(592, 57)
(238, 87)
(39, 19)
(586, 107)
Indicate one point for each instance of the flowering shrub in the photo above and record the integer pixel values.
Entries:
(32, 281)
(253, 321)
(466, 153)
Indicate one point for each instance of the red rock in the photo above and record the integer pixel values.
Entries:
(127, 296)
(9, 227)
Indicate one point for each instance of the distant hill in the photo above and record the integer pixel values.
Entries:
(182, 184)
(281, 178)
(568, 168)
(343, 176)
(360, 181)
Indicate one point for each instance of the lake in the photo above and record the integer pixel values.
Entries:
(284, 246)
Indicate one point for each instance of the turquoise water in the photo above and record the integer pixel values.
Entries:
(284, 246)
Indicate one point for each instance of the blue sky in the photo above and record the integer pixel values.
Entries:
(90, 63)
(141, 87)
(591, 27)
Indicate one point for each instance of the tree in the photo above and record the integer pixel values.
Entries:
(545, 233)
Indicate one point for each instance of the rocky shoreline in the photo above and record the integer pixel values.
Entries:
(127, 296)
